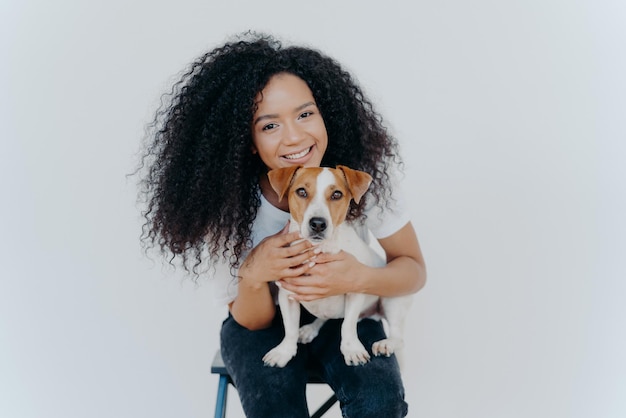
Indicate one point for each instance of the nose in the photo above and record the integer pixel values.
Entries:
(293, 133)
(317, 224)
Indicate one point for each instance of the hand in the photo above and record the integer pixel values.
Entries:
(332, 274)
(277, 257)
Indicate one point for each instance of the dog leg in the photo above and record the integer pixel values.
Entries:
(395, 311)
(354, 353)
(309, 332)
(280, 355)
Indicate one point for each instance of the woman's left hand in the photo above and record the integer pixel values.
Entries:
(332, 274)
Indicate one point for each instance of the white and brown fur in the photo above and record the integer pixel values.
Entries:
(319, 200)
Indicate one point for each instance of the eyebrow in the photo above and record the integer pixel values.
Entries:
(273, 115)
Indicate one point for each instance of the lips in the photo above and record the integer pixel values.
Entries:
(298, 155)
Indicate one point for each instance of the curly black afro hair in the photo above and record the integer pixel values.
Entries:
(203, 129)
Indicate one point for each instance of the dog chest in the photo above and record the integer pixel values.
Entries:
(327, 308)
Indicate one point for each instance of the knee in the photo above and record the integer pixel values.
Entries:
(377, 401)
(279, 393)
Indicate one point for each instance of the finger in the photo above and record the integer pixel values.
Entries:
(299, 248)
(303, 281)
(306, 285)
(306, 258)
(327, 258)
(307, 293)
(293, 266)
(305, 298)
(293, 272)
(289, 238)
(285, 229)
(296, 252)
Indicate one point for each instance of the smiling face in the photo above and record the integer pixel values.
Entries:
(287, 127)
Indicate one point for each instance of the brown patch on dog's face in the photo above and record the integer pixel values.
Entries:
(358, 181)
(302, 190)
(281, 178)
(338, 196)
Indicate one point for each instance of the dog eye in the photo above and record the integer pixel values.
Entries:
(301, 192)
(336, 195)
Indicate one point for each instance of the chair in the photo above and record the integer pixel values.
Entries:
(217, 367)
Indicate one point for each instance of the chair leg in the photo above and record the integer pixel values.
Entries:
(325, 407)
(222, 397)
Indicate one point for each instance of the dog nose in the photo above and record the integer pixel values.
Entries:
(317, 224)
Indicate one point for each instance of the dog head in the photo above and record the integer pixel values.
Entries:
(319, 197)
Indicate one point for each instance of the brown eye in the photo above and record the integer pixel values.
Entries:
(336, 195)
(301, 192)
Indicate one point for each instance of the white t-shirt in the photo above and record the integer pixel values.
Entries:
(381, 222)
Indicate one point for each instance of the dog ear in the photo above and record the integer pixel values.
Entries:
(281, 178)
(358, 181)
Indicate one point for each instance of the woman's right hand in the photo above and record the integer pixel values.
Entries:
(277, 257)
(280, 256)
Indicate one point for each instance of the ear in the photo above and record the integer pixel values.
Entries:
(358, 181)
(281, 178)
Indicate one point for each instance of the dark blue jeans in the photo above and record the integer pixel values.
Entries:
(371, 390)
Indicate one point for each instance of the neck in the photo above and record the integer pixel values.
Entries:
(271, 195)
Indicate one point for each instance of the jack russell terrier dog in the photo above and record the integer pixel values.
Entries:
(319, 199)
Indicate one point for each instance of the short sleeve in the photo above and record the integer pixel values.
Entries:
(223, 284)
(387, 218)
(269, 221)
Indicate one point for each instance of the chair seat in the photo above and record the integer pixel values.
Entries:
(217, 367)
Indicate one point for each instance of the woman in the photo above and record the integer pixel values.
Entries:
(242, 109)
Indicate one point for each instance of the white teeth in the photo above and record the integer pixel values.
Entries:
(298, 155)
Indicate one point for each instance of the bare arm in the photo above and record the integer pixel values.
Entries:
(253, 308)
(273, 259)
(405, 271)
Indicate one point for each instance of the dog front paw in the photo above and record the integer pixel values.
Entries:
(386, 347)
(354, 353)
(280, 355)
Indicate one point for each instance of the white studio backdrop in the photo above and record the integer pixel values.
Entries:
(511, 120)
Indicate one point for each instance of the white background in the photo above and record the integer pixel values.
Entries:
(511, 115)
